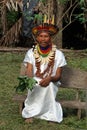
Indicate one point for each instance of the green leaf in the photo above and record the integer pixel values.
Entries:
(24, 83)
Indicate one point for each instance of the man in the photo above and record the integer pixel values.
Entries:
(44, 63)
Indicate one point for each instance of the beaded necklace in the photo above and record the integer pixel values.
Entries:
(44, 51)
(40, 59)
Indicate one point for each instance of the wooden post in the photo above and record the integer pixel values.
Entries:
(79, 110)
(3, 18)
(21, 104)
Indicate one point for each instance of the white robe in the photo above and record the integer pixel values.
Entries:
(40, 102)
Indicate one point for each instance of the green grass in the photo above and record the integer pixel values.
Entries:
(77, 59)
(10, 119)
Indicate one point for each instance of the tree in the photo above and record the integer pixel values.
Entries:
(70, 11)
(66, 12)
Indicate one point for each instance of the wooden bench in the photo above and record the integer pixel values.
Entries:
(71, 79)
(74, 79)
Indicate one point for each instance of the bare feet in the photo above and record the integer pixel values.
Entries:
(29, 120)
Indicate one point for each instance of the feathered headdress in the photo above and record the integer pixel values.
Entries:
(47, 25)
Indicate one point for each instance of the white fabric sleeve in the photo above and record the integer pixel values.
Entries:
(29, 57)
(60, 59)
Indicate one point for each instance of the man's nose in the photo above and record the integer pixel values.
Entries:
(43, 38)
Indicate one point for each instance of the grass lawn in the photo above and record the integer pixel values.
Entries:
(10, 119)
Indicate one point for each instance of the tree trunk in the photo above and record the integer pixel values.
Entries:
(59, 13)
(4, 19)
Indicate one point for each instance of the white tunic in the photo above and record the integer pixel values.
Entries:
(40, 102)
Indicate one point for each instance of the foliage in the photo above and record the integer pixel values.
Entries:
(12, 17)
(69, 14)
(80, 17)
(36, 16)
(63, 1)
(73, 10)
(25, 83)
(43, 1)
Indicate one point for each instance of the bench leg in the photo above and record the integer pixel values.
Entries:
(21, 106)
(79, 114)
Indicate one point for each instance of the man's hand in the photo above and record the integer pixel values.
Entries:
(45, 82)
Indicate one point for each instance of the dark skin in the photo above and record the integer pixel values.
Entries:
(44, 40)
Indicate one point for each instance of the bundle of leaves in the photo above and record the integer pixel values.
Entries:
(25, 83)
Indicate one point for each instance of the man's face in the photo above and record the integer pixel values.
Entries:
(44, 39)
